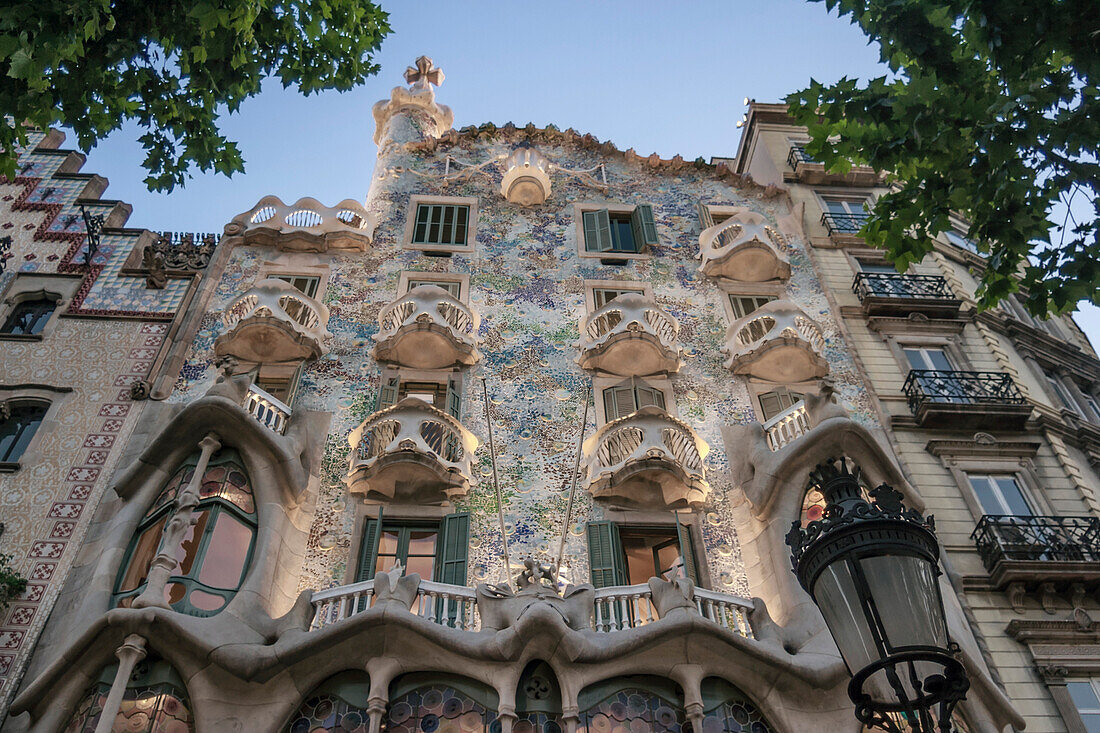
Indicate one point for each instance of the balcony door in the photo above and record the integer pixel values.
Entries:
(777, 401)
(1000, 495)
(945, 385)
(928, 357)
(846, 213)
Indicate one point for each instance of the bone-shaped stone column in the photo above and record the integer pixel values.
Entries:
(129, 654)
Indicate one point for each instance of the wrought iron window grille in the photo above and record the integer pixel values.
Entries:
(965, 388)
(842, 223)
(93, 225)
(885, 285)
(1029, 538)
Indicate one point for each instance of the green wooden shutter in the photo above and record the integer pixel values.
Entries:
(706, 220)
(387, 392)
(454, 399)
(645, 229)
(687, 550)
(597, 231)
(368, 548)
(618, 402)
(605, 555)
(648, 396)
(450, 554)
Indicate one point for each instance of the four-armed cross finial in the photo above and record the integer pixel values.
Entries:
(424, 71)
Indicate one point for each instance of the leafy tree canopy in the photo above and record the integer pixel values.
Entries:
(992, 111)
(171, 66)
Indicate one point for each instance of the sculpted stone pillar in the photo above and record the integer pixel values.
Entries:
(376, 707)
(181, 519)
(129, 654)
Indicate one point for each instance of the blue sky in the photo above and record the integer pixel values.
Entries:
(667, 77)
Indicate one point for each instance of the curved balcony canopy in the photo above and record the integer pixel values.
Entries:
(742, 248)
(427, 328)
(273, 322)
(630, 336)
(647, 459)
(776, 342)
(307, 225)
(411, 452)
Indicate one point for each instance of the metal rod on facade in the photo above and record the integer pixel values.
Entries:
(576, 471)
(496, 483)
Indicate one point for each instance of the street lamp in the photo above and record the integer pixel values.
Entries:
(871, 567)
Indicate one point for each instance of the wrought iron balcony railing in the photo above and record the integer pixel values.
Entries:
(798, 155)
(885, 285)
(924, 386)
(1044, 539)
(842, 223)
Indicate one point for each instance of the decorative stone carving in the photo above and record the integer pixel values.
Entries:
(744, 248)
(1048, 594)
(157, 276)
(630, 336)
(391, 586)
(427, 328)
(776, 342)
(1016, 594)
(673, 596)
(526, 180)
(185, 251)
(500, 607)
(305, 226)
(647, 459)
(273, 322)
(419, 99)
(139, 390)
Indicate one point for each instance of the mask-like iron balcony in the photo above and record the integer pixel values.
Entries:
(427, 328)
(647, 459)
(776, 342)
(273, 322)
(305, 226)
(411, 452)
(742, 248)
(630, 336)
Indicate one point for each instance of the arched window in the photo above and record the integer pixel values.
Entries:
(18, 424)
(423, 704)
(29, 317)
(212, 560)
(155, 701)
(538, 700)
(630, 704)
(727, 710)
(338, 705)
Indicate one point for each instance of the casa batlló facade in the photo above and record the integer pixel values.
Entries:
(514, 445)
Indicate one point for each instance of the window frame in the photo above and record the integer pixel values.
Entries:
(415, 202)
(1014, 457)
(405, 277)
(991, 477)
(673, 521)
(1094, 684)
(591, 286)
(6, 464)
(27, 287)
(661, 384)
(730, 289)
(580, 208)
(280, 271)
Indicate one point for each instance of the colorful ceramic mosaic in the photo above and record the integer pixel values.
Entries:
(527, 284)
(439, 709)
(328, 713)
(156, 709)
(633, 710)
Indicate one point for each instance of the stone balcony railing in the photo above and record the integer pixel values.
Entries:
(427, 328)
(305, 226)
(411, 452)
(647, 459)
(268, 410)
(776, 342)
(615, 608)
(788, 426)
(743, 248)
(273, 322)
(630, 336)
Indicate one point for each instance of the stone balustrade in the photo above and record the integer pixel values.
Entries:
(273, 322)
(305, 226)
(615, 608)
(647, 459)
(743, 248)
(427, 328)
(776, 342)
(411, 449)
(787, 426)
(268, 410)
(630, 336)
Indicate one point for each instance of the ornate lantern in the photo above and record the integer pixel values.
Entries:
(871, 568)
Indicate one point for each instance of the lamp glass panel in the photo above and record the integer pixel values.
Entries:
(907, 597)
(836, 595)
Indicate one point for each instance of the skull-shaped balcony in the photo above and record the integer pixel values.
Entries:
(411, 453)
(630, 336)
(743, 248)
(776, 342)
(273, 322)
(427, 328)
(647, 460)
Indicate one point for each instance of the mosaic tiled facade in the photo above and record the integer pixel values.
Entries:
(736, 381)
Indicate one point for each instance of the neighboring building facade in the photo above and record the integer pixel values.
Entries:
(404, 387)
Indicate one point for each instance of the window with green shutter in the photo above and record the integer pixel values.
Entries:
(605, 555)
(621, 554)
(621, 232)
(453, 287)
(435, 550)
(441, 224)
(626, 399)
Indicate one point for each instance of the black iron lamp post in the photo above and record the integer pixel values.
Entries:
(871, 567)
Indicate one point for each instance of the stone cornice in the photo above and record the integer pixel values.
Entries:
(984, 445)
(1052, 353)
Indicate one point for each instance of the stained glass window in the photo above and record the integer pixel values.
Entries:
(155, 701)
(440, 708)
(727, 710)
(631, 709)
(338, 705)
(212, 559)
